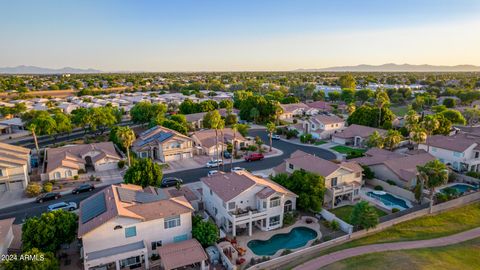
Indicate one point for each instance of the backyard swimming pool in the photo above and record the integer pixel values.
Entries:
(388, 200)
(461, 188)
(297, 237)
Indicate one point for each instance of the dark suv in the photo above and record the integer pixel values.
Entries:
(48, 197)
(171, 181)
(83, 188)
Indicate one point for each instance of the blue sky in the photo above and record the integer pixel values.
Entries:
(187, 35)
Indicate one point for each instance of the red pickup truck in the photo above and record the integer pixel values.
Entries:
(254, 157)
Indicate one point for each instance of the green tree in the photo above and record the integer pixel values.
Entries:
(39, 123)
(432, 175)
(363, 95)
(454, 116)
(309, 187)
(449, 102)
(145, 112)
(271, 128)
(375, 140)
(144, 172)
(254, 114)
(243, 129)
(418, 135)
(381, 100)
(49, 231)
(347, 95)
(126, 136)
(392, 139)
(364, 216)
(430, 123)
(189, 107)
(334, 96)
(367, 115)
(43, 261)
(62, 123)
(472, 115)
(347, 82)
(206, 232)
(174, 125)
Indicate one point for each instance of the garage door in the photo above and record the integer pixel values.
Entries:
(173, 157)
(3, 187)
(16, 185)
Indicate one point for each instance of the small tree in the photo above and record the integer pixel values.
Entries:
(364, 215)
(206, 232)
(49, 231)
(144, 172)
(433, 174)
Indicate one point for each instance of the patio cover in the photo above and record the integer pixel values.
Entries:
(181, 254)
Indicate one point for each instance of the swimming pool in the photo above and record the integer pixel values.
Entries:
(388, 200)
(297, 237)
(461, 188)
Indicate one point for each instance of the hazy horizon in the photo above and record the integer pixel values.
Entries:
(282, 35)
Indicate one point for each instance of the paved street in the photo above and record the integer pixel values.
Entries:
(189, 176)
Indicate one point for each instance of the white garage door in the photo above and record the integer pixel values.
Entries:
(3, 187)
(173, 157)
(16, 185)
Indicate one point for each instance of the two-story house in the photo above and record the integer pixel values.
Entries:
(461, 152)
(241, 200)
(204, 140)
(323, 126)
(160, 143)
(123, 225)
(14, 167)
(343, 180)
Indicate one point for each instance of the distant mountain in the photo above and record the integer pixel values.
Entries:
(40, 70)
(399, 68)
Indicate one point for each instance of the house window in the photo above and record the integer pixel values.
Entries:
(231, 205)
(172, 222)
(156, 244)
(56, 175)
(333, 182)
(274, 202)
(118, 227)
(264, 204)
(290, 166)
(457, 154)
(215, 210)
(180, 238)
(274, 220)
(1, 173)
(130, 232)
(68, 173)
(358, 174)
(130, 262)
(211, 192)
(355, 192)
(477, 154)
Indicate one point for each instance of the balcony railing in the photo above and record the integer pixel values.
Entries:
(343, 188)
(244, 214)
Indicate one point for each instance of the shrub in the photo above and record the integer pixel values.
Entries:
(295, 121)
(47, 187)
(471, 174)
(285, 252)
(75, 177)
(252, 148)
(288, 219)
(441, 197)
(326, 238)
(121, 164)
(155, 257)
(291, 134)
(81, 171)
(368, 173)
(394, 210)
(33, 190)
(92, 177)
(334, 225)
(378, 187)
(391, 182)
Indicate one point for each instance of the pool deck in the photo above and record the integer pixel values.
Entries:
(261, 235)
(364, 196)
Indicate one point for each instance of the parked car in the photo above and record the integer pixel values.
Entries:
(227, 154)
(212, 172)
(275, 137)
(254, 157)
(48, 197)
(70, 206)
(170, 181)
(238, 169)
(214, 163)
(83, 188)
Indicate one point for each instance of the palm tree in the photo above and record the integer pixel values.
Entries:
(418, 135)
(433, 174)
(381, 100)
(430, 123)
(411, 120)
(278, 112)
(127, 137)
(351, 108)
(392, 139)
(234, 130)
(375, 140)
(32, 128)
(271, 128)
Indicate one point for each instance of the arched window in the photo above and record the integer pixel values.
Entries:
(287, 207)
(68, 173)
(57, 175)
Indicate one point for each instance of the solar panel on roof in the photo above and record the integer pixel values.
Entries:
(93, 207)
(161, 136)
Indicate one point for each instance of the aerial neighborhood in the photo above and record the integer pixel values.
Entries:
(165, 176)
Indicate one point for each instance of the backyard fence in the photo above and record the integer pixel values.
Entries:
(412, 213)
(344, 226)
(407, 194)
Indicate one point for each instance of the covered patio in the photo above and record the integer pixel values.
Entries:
(128, 256)
(188, 253)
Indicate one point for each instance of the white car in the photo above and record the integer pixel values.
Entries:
(238, 169)
(70, 206)
(212, 172)
(214, 163)
(275, 137)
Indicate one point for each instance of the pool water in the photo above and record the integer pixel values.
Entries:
(462, 188)
(297, 237)
(389, 200)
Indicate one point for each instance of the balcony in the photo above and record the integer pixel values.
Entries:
(247, 214)
(343, 188)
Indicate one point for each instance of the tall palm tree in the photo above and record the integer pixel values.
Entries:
(433, 174)
(216, 123)
(234, 130)
(271, 129)
(127, 137)
(430, 123)
(418, 135)
(381, 100)
(392, 139)
(32, 128)
(375, 140)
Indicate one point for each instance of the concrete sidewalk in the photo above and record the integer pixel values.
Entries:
(325, 260)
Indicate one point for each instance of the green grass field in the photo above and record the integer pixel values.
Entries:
(344, 212)
(427, 227)
(463, 256)
(346, 150)
(399, 110)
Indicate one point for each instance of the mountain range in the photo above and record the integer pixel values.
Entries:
(41, 70)
(398, 68)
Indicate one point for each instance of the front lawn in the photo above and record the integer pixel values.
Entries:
(399, 110)
(320, 142)
(346, 150)
(459, 256)
(344, 212)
